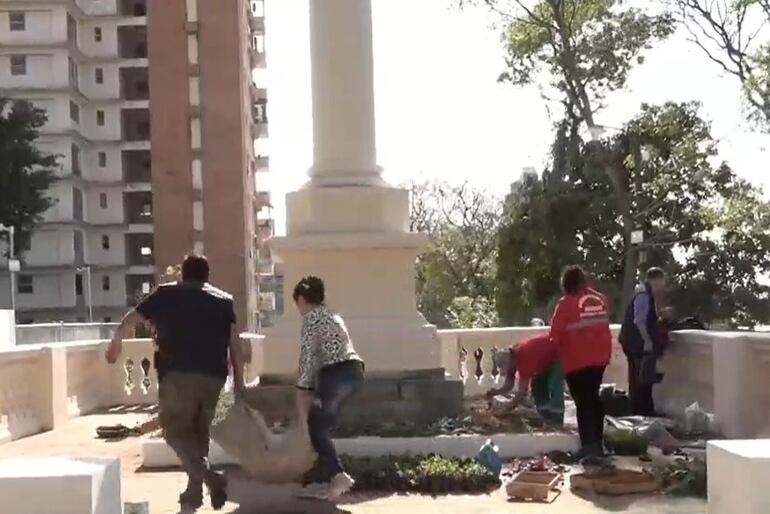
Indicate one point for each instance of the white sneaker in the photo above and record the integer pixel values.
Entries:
(340, 484)
(314, 491)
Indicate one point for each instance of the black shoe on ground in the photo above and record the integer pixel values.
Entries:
(218, 492)
(191, 500)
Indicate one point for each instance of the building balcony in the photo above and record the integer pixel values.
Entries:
(265, 229)
(132, 42)
(257, 24)
(137, 166)
(135, 124)
(134, 83)
(262, 200)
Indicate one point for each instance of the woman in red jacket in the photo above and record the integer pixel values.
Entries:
(580, 329)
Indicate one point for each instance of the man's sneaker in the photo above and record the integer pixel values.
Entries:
(314, 491)
(190, 501)
(218, 491)
(340, 484)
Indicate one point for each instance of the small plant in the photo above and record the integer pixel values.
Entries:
(626, 442)
(224, 404)
(432, 474)
(684, 478)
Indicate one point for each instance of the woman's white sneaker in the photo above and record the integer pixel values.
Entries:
(340, 484)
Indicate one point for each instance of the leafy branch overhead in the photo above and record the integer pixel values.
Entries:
(734, 35)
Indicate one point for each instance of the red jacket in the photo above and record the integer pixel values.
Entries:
(580, 329)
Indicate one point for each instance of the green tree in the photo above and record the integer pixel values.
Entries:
(465, 312)
(462, 223)
(577, 52)
(705, 225)
(734, 35)
(26, 173)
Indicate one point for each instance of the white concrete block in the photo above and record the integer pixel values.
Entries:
(739, 476)
(60, 485)
(157, 454)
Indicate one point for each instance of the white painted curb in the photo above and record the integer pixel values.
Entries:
(156, 454)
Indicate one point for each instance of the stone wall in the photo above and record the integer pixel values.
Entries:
(7, 329)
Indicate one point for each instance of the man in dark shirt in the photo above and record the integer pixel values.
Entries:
(195, 327)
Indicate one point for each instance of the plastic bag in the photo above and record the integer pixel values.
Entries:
(696, 420)
(489, 457)
(266, 456)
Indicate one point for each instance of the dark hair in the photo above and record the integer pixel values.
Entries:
(312, 289)
(655, 274)
(573, 279)
(195, 268)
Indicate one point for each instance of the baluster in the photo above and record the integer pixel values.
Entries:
(129, 385)
(146, 382)
(478, 355)
(495, 369)
(463, 364)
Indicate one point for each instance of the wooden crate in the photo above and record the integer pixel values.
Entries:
(532, 485)
(616, 483)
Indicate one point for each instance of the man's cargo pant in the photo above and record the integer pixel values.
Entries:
(187, 403)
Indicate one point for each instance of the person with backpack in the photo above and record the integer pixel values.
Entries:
(643, 341)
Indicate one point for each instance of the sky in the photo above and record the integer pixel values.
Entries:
(441, 114)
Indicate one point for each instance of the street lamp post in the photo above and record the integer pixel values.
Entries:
(14, 265)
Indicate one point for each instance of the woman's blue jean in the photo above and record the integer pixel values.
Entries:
(336, 384)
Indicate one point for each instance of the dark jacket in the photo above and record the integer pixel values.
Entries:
(630, 337)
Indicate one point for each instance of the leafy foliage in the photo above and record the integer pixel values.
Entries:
(701, 222)
(26, 173)
(466, 312)
(432, 474)
(460, 259)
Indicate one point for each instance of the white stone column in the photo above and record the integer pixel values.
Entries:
(346, 225)
(343, 93)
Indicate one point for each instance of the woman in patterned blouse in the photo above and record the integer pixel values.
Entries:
(330, 372)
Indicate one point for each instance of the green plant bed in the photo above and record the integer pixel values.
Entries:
(431, 474)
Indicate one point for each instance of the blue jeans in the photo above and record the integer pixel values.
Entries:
(336, 384)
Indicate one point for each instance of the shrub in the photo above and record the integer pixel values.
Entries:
(432, 474)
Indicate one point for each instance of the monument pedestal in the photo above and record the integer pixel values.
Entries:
(351, 229)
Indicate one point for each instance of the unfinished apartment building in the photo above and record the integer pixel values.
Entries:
(152, 109)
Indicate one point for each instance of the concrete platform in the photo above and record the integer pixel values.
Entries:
(739, 476)
(157, 454)
(60, 485)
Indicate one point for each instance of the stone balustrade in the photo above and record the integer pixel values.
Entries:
(41, 386)
(467, 355)
(727, 373)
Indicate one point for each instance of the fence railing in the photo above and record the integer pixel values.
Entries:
(467, 355)
(41, 386)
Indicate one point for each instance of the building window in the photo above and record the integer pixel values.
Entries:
(100, 118)
(74, 112)
(74, 74)
(17, 21)
(107, 319)
(99, 72)
(102, 158)
(75, 160)
(25, 285)
(105, 242)
(105, 283)
(103, 200)
(98, 34)
(146, 211)
(18, 65)
(78, 284)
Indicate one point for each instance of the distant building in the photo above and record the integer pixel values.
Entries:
(154, 114)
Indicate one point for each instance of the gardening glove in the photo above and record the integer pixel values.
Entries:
(648, 373)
